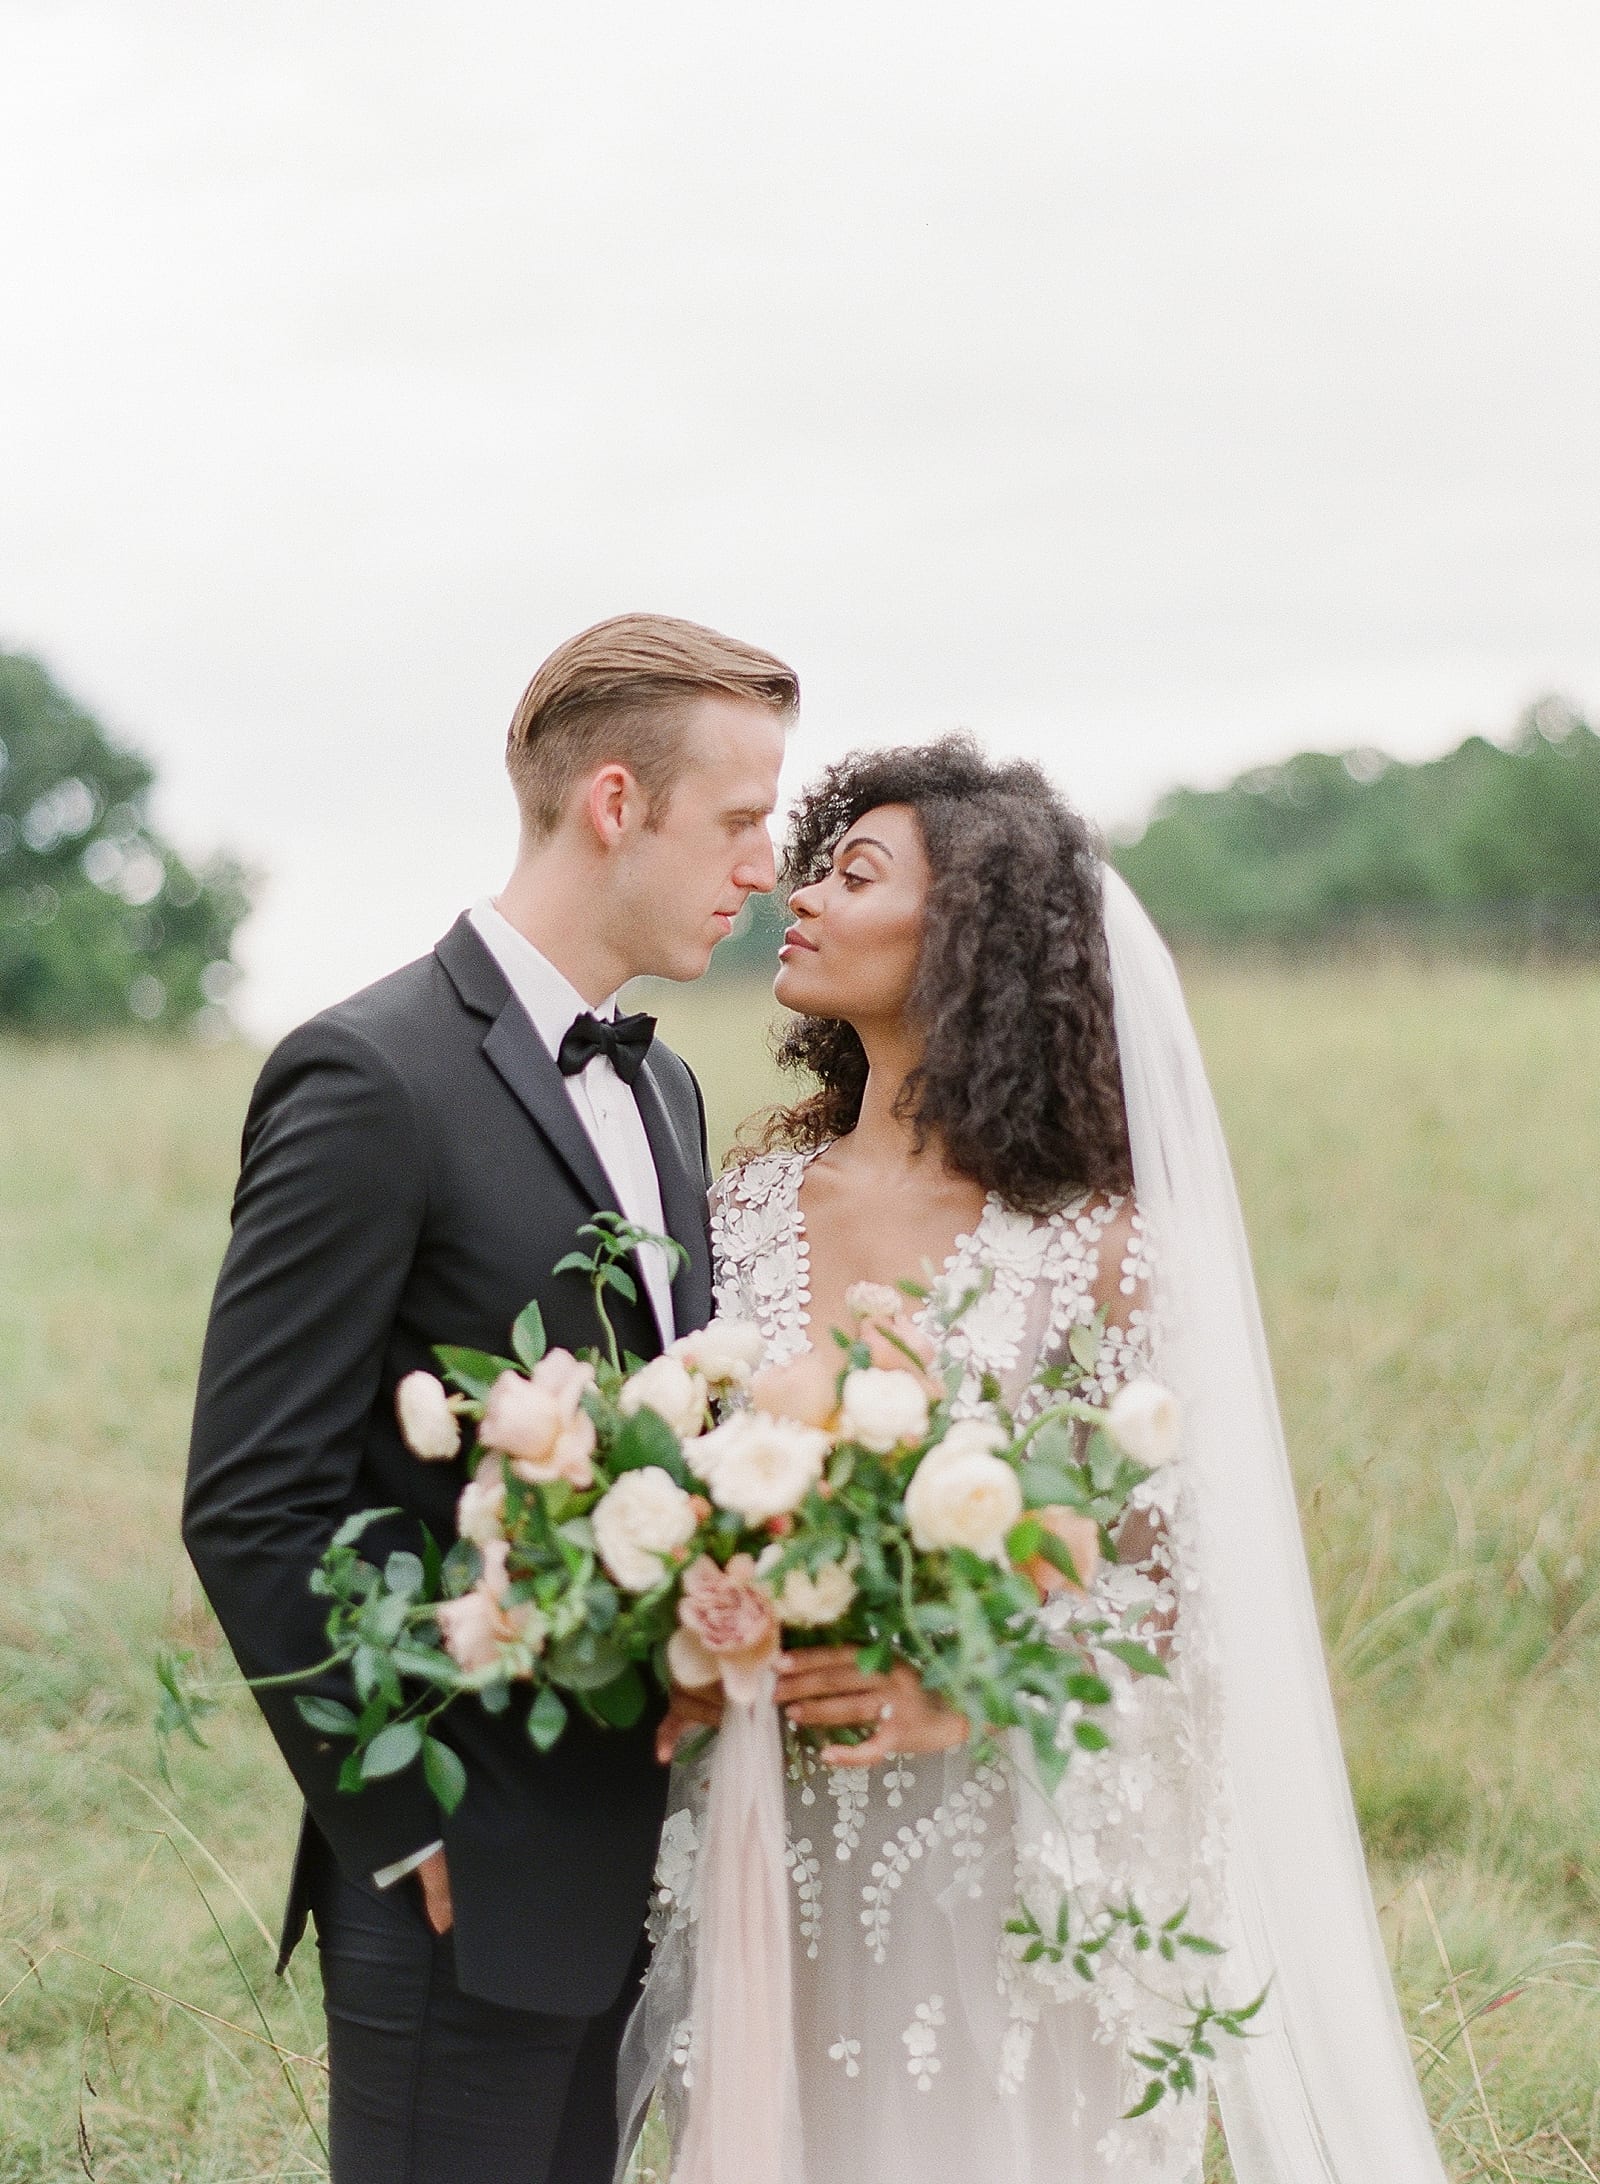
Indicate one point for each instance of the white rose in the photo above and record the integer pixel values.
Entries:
(1145, 1421)
(480, 1513)
(969, 1501)
(874, 1300)
(693, 1664)
(726, 1353)
(981, 1436)
(668, 1387)
(644, 1516)
(760, 1466)
(805, 1601)
(428, 1425)
(882, 1409)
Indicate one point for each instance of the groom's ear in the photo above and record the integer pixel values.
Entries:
(614, 805)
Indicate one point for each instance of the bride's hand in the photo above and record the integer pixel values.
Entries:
(823, 1688)
(686, 1712)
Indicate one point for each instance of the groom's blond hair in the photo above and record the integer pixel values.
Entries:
(621, 693)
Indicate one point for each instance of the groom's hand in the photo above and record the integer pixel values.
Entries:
(434, 1875)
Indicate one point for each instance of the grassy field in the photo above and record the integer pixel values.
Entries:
(1420, 1159)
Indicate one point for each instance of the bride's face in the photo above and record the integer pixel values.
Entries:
(856, 935)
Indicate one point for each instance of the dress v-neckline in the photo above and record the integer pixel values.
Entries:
(800, 1300)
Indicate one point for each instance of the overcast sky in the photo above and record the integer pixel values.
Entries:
(1156, 389)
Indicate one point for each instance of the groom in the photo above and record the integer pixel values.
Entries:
(416, 1160)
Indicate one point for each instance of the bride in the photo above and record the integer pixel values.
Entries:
(1009, 1104)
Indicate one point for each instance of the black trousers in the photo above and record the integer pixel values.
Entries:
(428, 2085)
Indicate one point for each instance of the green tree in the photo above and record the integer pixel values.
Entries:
(1496, 842)
(102, 924)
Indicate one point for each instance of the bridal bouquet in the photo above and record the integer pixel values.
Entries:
(629, 1523)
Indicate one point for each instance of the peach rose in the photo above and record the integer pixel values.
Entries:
(475, 1627)
(539, 1424)
(1080, 1535)
(481, 1511)
(733, 1616)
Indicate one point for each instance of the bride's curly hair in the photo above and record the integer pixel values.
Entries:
(1019, 1079)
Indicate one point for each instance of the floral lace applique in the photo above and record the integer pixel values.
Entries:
(847, 2052)
(805, 1870)
(851, 1792)
(960, 1822)
(673, 1903)
(921, 2037)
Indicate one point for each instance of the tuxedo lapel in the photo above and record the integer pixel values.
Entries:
(515, 1051)
(683, 1200)
(523, 1062)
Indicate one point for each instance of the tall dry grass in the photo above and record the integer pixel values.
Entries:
(1420, 1160)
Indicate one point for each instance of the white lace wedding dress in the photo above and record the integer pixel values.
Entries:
(928, 2052)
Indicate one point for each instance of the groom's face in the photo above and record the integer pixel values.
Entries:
(686, 877)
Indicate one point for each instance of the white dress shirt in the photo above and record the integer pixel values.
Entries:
(604, 1104)
(610, 1115)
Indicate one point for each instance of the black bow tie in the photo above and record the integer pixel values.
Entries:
(625, 1040)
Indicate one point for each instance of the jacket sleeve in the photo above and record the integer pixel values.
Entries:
(326, 1221)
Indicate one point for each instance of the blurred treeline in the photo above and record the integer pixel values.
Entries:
(1496, 846)
(103, 926)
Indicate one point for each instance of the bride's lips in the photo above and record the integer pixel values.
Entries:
(794, 940)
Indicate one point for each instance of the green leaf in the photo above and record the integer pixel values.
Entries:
(473, 1371)
(619, 1279)
(588, 1661)
(1135, 1656)
(1155, 2091)
(350, 1773)
(1084, 1343)
(403, 1574)
(444, 1773)
(330, 1716)
(621, 1702)
(1090, 1737)
(432, 1565)
(353, 1527)
(547, 1717)
(645, 1439)
(1047, 1485)
(390, 1750)
(528, 1335)
(462, 1568)
(1023, 1540)
(1059, 1555)
(383, 1619)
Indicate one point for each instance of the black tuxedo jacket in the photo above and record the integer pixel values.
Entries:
(412, 1169)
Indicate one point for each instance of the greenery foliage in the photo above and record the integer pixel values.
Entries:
(103, 926)
(1493, 843)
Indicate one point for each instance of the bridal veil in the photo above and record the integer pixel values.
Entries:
(1324, 2092)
